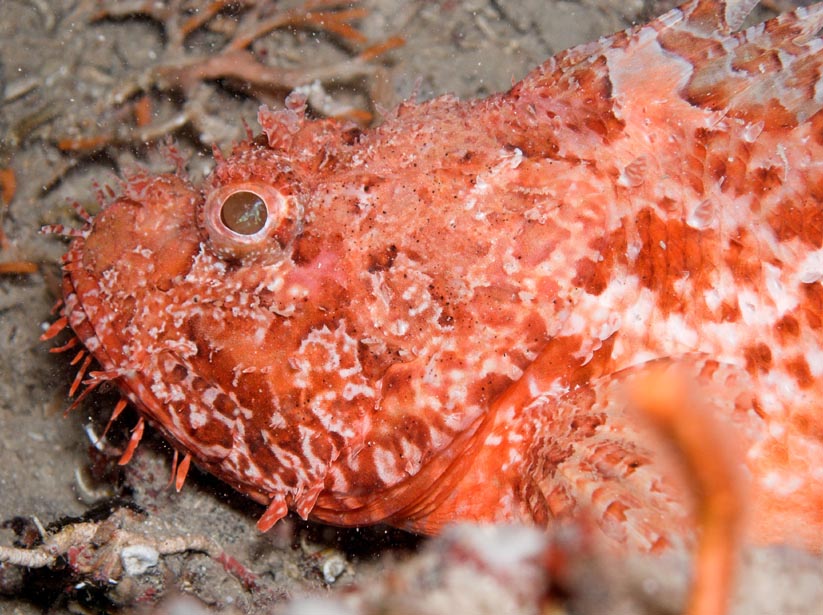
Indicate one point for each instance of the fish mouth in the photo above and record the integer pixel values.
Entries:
(77, 303)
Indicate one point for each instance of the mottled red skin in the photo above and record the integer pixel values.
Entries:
(443, 320)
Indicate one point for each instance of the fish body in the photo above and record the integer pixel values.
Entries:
(435, 319)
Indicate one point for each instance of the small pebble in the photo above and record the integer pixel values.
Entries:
(138, 559)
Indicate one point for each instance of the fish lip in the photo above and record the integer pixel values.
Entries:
(75, 311)
(80, 319)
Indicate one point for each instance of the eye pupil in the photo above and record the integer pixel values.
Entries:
(244, 212)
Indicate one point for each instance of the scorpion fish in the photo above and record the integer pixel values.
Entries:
(435, 319)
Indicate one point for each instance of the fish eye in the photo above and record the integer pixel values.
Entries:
(244, 212)
(245, 218)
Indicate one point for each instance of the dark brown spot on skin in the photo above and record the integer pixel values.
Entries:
(288, 438)
(590, 277)
(704, 18)
(382, 259)
(812, 305)
(199, 384)
(593, 111)
(705, 88)
(729, 312)
(595, 88)
(725, 161)
(594, 277)
(396, 384)
(801, 220)
(808, 425)
(224, 404)
(415, 430)
(446, 319)
(756, 60)
(537, 145)
(787, 328)
(799, 369)
(816, 127)
(776, 116)
(486, 390)
(178, 374)
(671, 250)
(213, 433)
(758, 358)
(559, 360)
(373, 361)
(766, 179)
(744, 257)
(307, 247)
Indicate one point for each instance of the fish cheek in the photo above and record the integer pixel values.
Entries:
(141, 258)
(172, 260)
(110, 237)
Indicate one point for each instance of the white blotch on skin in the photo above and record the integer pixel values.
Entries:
(385, 463)
(209, 395)
(197, 417)
(811, 269)
(782, 483)
(783, 299)
(814, 359)
(352, 390)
